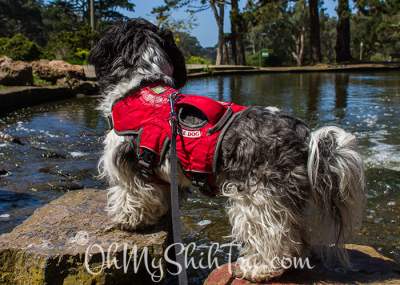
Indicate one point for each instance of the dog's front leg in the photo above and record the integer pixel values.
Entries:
(138, 205)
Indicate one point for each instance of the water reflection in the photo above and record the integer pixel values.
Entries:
(341, 86)
(314, 92)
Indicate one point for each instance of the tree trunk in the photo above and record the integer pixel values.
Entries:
(298, 54)
(233, 43)
(220, 21)
(342, 47)
(315, 46)
(225, 54)
(239, 37)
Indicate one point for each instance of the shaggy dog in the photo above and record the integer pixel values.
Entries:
(288, 188)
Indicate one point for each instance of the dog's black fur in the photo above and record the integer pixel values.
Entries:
(130, 40)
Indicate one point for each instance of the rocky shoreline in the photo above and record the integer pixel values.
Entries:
(73, 241)
(40, 82)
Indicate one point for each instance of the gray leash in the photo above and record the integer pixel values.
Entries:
(176, 221)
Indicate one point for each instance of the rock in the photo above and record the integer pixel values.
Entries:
(85, 85)
(59, 185)
(57, 69)
(373, 269)
(52, 154)
(54, 245)
(62, 82)
(3, 172)
(10, 138)
(15, 73)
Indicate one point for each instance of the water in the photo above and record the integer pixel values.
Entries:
(366, 104)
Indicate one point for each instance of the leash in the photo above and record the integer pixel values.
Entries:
(176, 221)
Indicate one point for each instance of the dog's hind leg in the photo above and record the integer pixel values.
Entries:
(264, 156)
(268, 229)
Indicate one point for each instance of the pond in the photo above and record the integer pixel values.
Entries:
(63, 141)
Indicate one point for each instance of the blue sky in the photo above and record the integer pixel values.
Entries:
(206, 31)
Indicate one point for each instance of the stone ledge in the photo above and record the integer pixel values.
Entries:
(373, 269)
(50, 247)
(19, 97)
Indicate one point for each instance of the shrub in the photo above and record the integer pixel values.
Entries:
(196, 60)
(72, 47)
(20, 48)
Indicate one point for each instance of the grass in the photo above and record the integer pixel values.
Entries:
(40, 82)
(5, 87)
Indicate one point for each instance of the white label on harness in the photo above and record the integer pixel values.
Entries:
(190, 134)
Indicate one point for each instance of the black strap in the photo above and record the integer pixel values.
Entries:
(176, 221)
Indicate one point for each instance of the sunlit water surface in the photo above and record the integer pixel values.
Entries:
(366, 104)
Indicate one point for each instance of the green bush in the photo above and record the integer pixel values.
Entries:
(196, 60)
(276, 58)
(379, 57)
(20, 48)
(72, 47)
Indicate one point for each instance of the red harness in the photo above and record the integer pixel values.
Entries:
(146, 113)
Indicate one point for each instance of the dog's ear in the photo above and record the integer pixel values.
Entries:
(104, 52)
(176, 57)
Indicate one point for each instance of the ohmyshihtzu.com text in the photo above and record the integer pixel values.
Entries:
(132, 258)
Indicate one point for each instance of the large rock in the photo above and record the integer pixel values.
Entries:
(373, 269)
(15, 73)
(55, 243)
(57, 69)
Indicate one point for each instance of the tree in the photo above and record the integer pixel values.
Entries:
(315, 46)
(342, 47)
(218, 11)
(328, 37)
(68, 15)
(188, 45)
(237, 27)
(291, 22)
(21, 17)
(377, 26)
(66, 44)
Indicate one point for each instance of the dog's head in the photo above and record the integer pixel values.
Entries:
(137, 47)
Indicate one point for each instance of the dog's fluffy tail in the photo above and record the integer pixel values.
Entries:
(335, 169)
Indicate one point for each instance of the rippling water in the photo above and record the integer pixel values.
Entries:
(63, 143)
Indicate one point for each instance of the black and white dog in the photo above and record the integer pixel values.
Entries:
(288, 188)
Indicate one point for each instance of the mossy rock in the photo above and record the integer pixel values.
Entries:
(67, 240)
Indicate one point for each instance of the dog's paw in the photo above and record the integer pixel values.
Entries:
(256, 275)
(128, 227)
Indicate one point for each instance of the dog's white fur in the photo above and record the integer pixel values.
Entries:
(268, 230)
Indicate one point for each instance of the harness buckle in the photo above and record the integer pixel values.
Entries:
(146, 162)
(146, 158)
(110, 123)
(199, 179)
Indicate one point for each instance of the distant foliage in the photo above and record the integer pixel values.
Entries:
(197, 60)
(20, 48)
(72, 47)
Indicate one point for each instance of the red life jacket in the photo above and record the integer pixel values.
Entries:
(146, 113)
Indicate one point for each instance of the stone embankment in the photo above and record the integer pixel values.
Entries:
(40, 82)
(73, 241)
